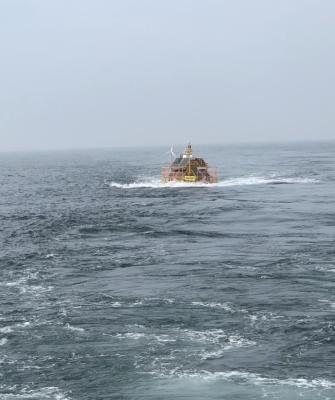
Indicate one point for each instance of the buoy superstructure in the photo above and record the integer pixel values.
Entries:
(188, 168)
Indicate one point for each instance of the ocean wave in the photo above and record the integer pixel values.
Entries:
(15, 327)
(118, 302)
(6, 329)
(155, 183)
(329, 302)
(224, 306)
(47, 393)
(242, 377)
(24, 287)
(131, 335)
(262, 317)
(3, 341)
(35, 289)
(233, 342)
(217, 339)
(74, 328)
(142, 335)
(210, 335)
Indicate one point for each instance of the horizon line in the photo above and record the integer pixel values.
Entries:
(149, 146)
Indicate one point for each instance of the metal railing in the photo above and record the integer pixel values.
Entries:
(210, 175)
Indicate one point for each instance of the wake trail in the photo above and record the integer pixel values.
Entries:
(155, 183)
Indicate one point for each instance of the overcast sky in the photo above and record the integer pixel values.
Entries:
(105, 73)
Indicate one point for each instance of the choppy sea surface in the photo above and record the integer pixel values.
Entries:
(114, 286)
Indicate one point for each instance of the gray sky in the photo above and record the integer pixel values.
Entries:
(98, 73)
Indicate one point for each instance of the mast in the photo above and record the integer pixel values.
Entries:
(188, 153)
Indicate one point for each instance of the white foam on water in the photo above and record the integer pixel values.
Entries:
(169, 301)
(240, 341)
(155, 183)
(6, 329)
(47, 393)
(23, 286)
(233, 342)
(253, 319)
(153, 300)
(23, 324)
(130, 335)
(252, 378)
(229, 307)
(164, 338)
(263, 317)
(136, 303)
(216, 337)
(35, 289)
(208, 355)
(74, 328)
(3, 341)
(116, 304)
(151, 336)
(145, 301)
(209, 336)
(224, 306)
(11, 328)
(19, 282)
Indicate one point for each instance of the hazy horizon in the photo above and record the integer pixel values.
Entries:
(104, 74)
(177, 146)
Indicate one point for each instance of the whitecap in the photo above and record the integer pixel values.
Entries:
(169, 301)
(224, 306)
(47, 393)
(210, 335)
(207, 355)
(136, 303)
(130, 335)
(253, 318)
(135, 326)
(11, 328)
(160, 338)
(6, 329)
(37, 289)
(155, 183)
(232, 342)
(229, 307)
(240, 341)
(16, 283)
(74, 328)
(3, 341)
(116, 304)
(23, 287)
(164, 338)
(25, 324)
(159, 300)
(252, 378)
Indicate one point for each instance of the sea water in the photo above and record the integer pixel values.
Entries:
(115, 286)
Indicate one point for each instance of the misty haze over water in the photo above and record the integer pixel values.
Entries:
(86, 74)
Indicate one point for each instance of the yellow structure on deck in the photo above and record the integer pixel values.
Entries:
(187, 168)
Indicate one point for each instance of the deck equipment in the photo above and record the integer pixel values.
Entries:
(187, 168)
